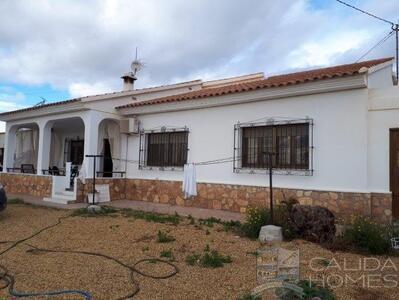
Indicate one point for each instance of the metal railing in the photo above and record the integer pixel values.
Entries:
(119, 174)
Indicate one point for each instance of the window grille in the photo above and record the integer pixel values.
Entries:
(164, 149)
(289, 141)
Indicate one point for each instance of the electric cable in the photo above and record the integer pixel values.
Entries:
(365, 12)
(383, 40)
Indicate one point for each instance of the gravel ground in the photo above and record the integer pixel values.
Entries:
(130, 240)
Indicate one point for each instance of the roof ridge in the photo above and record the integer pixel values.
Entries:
(272, 81)
(362, 63)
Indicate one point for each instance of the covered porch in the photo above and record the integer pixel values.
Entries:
(57, 147)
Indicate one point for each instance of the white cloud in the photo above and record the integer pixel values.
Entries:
(85, 46)
(322, 52)
(11, 100)
(85, 89)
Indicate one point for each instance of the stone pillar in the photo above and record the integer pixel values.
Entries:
(91, 120)
(43, 155)
(9, 147)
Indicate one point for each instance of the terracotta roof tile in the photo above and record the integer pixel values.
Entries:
(270, 82)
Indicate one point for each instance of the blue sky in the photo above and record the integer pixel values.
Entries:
(64, 49)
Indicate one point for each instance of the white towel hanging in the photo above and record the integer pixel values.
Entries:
(189, 187)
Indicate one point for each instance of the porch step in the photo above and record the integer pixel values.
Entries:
(64, 197)
(59, 200)
(65, 193)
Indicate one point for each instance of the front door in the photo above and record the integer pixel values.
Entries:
(394, 170)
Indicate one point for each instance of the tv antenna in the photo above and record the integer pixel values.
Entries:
(136, 65)
(44, 100)
(394, 28)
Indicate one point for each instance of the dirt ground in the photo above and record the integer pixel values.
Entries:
(129, 240)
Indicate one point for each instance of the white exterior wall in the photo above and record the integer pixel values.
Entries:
(340, 140)
(383, 115)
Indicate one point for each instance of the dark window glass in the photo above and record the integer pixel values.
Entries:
(167, 149)
(76, 152)
(288, 143)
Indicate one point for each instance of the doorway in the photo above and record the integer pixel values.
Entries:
(107, 159)
(394, 170)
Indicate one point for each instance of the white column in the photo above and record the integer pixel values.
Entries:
(91, 120)
(9, 147)
(43, 155)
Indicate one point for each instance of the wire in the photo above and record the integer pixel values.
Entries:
(365, 12)
(8, 279)
(133, 269)
(383, 40)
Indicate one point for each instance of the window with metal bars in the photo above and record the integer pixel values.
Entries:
(288, 143)
(165, 149)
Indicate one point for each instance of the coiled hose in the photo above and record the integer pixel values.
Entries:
(8, 279)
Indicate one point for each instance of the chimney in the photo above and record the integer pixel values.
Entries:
(128, 81)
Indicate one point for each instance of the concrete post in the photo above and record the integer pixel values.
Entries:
(9, 147)
(91, 120)
(43, 155)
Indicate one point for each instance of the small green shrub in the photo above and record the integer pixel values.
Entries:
(163, 237)
(209, 259)
(249, 296)
(254, 253)
(365, 235)
(15, 201)
(167, 254)
(256, 217)
(152, 217)
(191, 219)
(192, 259)
(213, 259)
(210, 221)
(231, 225)
(310, 291)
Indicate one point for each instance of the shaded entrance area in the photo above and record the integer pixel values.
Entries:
(109, 145)
(24, 144)
(66, 145)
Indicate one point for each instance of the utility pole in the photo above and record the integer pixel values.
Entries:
(270, 159)
(94, 156)
(394, 27)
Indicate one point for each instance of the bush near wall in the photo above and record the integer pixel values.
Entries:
(364, 235)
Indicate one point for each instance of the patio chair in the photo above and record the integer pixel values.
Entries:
(55, 171)
(28, 169)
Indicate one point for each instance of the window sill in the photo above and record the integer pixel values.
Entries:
(297, 172)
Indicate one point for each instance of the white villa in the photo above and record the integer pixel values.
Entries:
(333, 135)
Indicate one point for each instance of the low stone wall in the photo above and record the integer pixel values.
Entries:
(34, 185)
(117, 187)
(234, 198)
(238, 197)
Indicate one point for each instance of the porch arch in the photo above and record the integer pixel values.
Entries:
(21, 148)
(59, 137)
